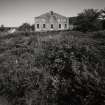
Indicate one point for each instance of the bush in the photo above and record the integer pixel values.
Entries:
(64, 69)
(76, 72)
(99, 35)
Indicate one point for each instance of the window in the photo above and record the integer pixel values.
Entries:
(44, 26)
(65, 25)
(59, 25)
(51, 25)
(37, 25)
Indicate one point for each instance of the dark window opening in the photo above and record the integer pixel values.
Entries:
(59, 25)
(37, 25)
(51, 25)
(65, 25)
(44, 26)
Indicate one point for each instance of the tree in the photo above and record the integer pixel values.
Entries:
(102, 16)
(32, 27)
(25, 27)
(88, 20)
(2, 28)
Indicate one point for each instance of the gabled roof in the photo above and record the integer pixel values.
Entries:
(51, 14)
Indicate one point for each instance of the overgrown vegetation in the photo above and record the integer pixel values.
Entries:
(89, 20)
(62, 68)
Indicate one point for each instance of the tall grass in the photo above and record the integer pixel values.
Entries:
(52, 68)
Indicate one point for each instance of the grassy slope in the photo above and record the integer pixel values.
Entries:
(20, 49)
(24, 47)
(14, 46)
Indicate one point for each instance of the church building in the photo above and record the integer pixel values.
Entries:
(51, 21)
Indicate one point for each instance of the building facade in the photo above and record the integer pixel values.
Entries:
(51, 21)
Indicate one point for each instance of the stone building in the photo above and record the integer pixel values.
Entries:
(51, 21)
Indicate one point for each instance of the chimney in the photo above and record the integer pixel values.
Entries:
(51, 12)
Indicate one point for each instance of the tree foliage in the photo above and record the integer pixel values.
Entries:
(25, 27)
(102, 16)
(2, 28)
(88, 20)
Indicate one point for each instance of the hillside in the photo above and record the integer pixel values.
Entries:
(63, 67)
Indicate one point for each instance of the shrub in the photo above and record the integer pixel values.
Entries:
(99, 35)
(64, 69)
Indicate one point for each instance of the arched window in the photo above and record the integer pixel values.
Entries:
(44, 26)
(65, 25)
(51, 25)
(37, 25)
(59, 25)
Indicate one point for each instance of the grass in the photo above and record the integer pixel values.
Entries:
(84, 52)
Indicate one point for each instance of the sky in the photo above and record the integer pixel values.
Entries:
(16, 12)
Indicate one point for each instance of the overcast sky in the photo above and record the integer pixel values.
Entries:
(16, 12)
